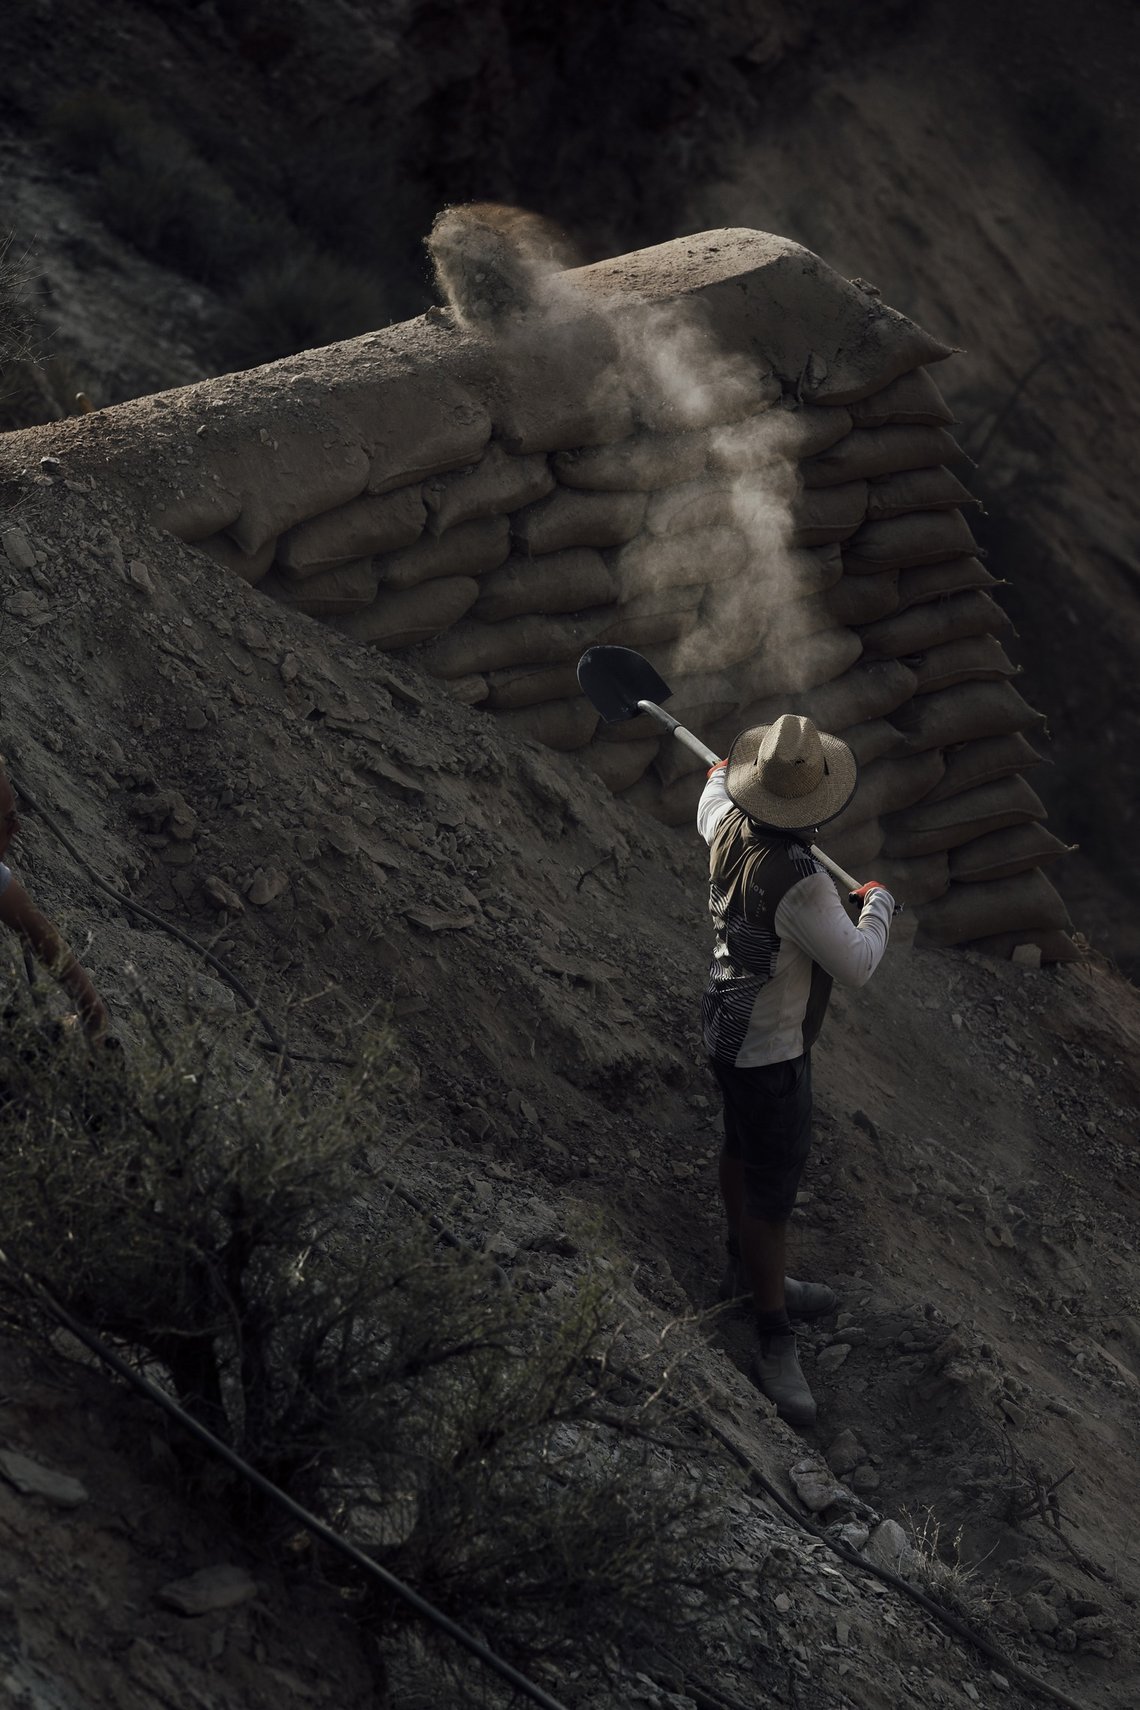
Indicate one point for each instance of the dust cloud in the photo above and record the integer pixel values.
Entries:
(506, 274)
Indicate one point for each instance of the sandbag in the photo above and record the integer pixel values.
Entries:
(983, 762)
(932, 624)
(974, 659)
(251, 567)
(822, 514)
(931, 826)
(912, 398)
(554, 394)
(689, 505)
(651, 627)
(963, 714)
(498, 483)
(854, 849)
(1025, 903)
(926, 582)
(474, 646)
(914, 490)
(469, 691)
(830, 337)
(818, 659)
(858, 600)
(686, 381)
(523, 687)
(565, 725)
(412, 615)
(673, 804)
(701, 698)
(364, 527)
(685, 597)
(416, 424)
(915, 882)
(734, 618)
(868, 690)
(297, 475)
(636, 465)
(795, 572)
(1054, 946)
(791, 622)
(872, 740)
(348, 588)
(559, 582)
(564, 519)
(469, 550)
(782, 435)
(1001, 854)
(887, 785)
(620, 765)
(676, 761)
(651, 562)
(868, 452)
(200, 514)
(920, 537)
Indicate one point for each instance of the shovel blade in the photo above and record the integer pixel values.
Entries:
(615, 679)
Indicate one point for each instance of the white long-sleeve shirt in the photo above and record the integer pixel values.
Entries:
(782, 936)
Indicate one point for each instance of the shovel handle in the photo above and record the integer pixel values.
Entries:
(710, 756)
(685, 737)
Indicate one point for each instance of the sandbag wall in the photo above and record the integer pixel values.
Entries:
(925, 695)
(718, 452)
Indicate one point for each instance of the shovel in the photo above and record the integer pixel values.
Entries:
(621, 684)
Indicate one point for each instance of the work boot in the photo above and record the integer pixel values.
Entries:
(776, 1373)
(808, 1299)
(802, 1299)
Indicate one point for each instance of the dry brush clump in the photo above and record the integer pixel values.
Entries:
(155, 189)
(482, 1443)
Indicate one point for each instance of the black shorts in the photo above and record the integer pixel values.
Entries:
(767, 1123)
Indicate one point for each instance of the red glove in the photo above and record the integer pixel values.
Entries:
(864, 891)
(715, 768)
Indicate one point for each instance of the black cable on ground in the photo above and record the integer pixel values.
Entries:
(277, 1496)
(276, 1042)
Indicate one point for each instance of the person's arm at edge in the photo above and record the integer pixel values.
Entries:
(812, 916)
(18, 912)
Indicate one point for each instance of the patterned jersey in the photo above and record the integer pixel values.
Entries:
(780, 937)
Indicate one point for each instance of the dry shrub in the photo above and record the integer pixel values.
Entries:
(482, 1443)
(299, 301)
(17, 318)
(153, 189)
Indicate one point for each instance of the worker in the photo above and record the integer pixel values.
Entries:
(781, 936)
(38, 933)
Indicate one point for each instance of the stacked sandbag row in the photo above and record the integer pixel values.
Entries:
(718, 452)
(944, 812)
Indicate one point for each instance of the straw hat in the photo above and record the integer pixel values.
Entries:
(789, 774)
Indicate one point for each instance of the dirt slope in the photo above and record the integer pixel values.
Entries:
(972, 1194)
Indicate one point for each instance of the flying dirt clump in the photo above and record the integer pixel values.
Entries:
(494, 263)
